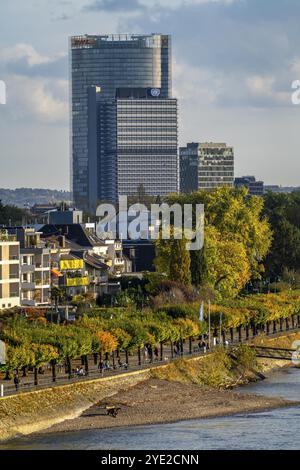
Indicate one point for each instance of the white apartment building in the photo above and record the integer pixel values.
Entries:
(9, 271)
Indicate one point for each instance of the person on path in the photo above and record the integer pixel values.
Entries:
(101, 367)
(17, 382)
(146, 353)
(150, 352)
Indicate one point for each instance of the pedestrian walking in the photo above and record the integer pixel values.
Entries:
(101, 367)
(150, 352)
(16, 382)
(146, 353)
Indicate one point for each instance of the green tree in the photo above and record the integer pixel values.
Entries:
(283, 212)
(173, 259)
(239, 220)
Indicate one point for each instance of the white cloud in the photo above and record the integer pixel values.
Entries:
(30, 95)
(295, 68)
(23, 52)
(38, 99)
(195, 83)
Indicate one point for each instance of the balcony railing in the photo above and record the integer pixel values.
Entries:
(5, 237)
(77, 281)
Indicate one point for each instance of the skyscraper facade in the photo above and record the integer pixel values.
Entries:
(206, 166)
(112, 78)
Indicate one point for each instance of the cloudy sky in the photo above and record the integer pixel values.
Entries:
(234, 62)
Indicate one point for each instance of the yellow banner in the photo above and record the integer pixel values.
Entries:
(71, 264)
(77, 281)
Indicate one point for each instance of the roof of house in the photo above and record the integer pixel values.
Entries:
(95, 261)
(75, 233)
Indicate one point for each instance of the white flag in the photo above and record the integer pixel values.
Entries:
(201, 315)
(2, 353)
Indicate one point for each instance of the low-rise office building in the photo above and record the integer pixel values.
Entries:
(255, 188)
(206, 166)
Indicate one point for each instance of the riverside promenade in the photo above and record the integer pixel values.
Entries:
(139, 360)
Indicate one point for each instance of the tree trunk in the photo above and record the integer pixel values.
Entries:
(274, 326)
(240, 334)
(172, 350)
(223, 336)
(127, 358)
(190, 344)
(231, 335)
(181, 346)
(281, 324)
(161, 350)
(53, 368)
(86, 364)
(69, 368)
(247, 332)
(95, 356)
(7, 375)
(139, 356)
(24, 370)
(113, 360)
(35, 370)
(287, 325)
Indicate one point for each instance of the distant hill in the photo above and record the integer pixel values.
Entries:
(21, 197)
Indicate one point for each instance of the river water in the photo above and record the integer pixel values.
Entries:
(276, 429)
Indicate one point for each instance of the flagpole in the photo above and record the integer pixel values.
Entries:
(209, 342)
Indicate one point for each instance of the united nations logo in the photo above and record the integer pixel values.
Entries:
(155, 92)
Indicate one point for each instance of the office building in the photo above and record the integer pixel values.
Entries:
(281, 189)
(9, 271)
(255, 188)
(138, 146)
(206, 166)
(121, 95)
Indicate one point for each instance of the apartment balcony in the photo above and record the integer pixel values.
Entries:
(98, 280)
(42, 283)
(28, 302)
(28, 285)
(5, 237)
(119, 262)
(42, 267)
(27, 268)
(77, 281)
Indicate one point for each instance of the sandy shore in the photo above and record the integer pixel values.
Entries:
(159, 401)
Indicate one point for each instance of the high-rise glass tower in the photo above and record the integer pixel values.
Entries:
(114, 80)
